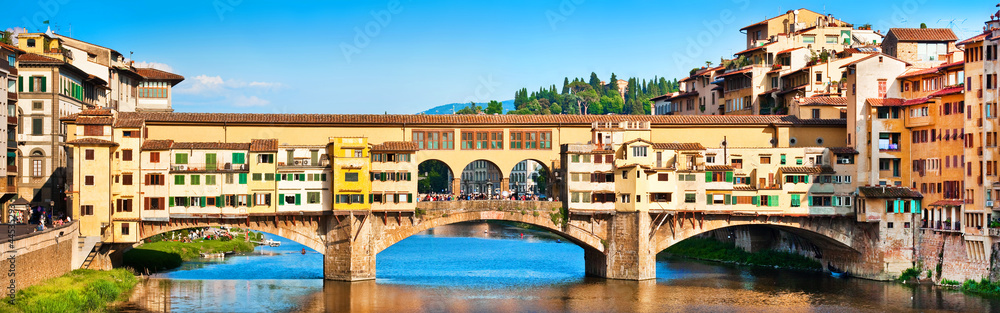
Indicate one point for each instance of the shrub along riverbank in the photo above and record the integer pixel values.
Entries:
(983, 287)
(714, 250)
(164, 255)
(81, 290)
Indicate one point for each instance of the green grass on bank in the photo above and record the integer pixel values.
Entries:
(81, 290)
(714, 250)
(163, 255)
(983, 287)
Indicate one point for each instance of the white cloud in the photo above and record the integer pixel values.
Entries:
(156, 65)
(232, 92)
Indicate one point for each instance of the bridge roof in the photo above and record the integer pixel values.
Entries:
(396, 146)
(888, 192)
(368, 119)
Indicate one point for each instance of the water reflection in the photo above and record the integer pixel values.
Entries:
(478, 267)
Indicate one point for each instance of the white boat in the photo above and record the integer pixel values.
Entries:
(272, 243)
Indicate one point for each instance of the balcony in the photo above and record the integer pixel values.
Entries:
(305, 162)
(209, 167)
(994, 232)
(12, 121)
(979, 93)
(11, 96)
(11, 169)
(11, 189)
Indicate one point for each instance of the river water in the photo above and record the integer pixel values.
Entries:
(477, 267)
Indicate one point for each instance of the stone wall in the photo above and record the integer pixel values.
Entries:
(40, 256)
(948, 250)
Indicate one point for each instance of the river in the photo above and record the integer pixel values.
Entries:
(477, 267)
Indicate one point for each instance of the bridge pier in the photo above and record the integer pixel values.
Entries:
(350, 248)
(629, 253)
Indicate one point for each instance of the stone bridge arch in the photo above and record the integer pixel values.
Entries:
(306, 230)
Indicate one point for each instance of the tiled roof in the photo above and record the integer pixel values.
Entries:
(637, 140)
(212, 145)
(452, 119)
(887, 102)
(872, 56)
(743, 188)
(152, 73)
(976, 38)
(919, 71)
(916, 101)
(96, 112)
(823, 101)
(157, 144)
(923, 34)
(11, 48)
(128, 123)
(799, 169)
(843, 150)
(395, 146)
(678, 146)
(263, 145)
(92, 141)
(717, 168)
(789, 50)
(736, 72)
(755, 48)
(826, 169)
(948, 91)
(36, 58)
(888, 192)
(947, 203)
(94, 120)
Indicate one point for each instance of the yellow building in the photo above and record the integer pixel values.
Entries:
(351, 173)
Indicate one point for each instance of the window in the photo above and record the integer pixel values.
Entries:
(195, 180)
(350, 198)
(125, 230)
(31, 43)
(312, 197)
(639, 151)
(882, 88)
(88, 154)
(434, 139)
(88, 180)
(123, 205)
(210, 180)
(87, 209)
(265, 158)
(36, 105)
(127, 155)
(815, 113)
(626, 198)
(482, 140)
(530, 139)
(832, 39)
(660, 197)
(690, 198)
(127, 179)
(36, 126)
(663, 177)
(178, 179)
(262, 199)
(809, 39)
(737, 163)
(765, 160)
(36, 168)
(181, 158)
(154, 179)
(154, 157)
(350, 176)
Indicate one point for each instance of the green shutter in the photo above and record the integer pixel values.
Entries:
(798, 161)
(219, 201)
(729, 177)
(773, 201)
(805, 179)
(916, 205)
(20, 84)
(204, 201)
(726, 200)
(324, 176)
(836, 201)
(178, 179)
(302, 177)
(170, 201)
(239, 158)
(243, 178)
(409, 198)
(795, 179)
(298, 199)
(278, 177)
(795, 200)
(782, 159)
(756, 200)
(281, 199)
(44, 84)
(371, 198)
(810, 200)
(31, 84)
(708, 177)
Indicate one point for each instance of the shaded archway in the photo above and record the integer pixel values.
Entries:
(530, 178)
(482, 178)
(306, 230)
(435, 176)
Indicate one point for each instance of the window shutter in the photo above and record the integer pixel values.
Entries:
(782, 159)
(204, 201)
(44, 84)
(298, 199)
(31, 84)
(726, 201)
(281, 199)
(20, 84)
(324, 176)
(302, 177)
(773, 201)
(409, 198)
(805, 179)
(756, 200)
(836, 201)
(708, 177)
(253, 198)
(243, 178)
(170, 200)
(371, 198)
(218, 201)
(729, 177)
(795, 200)
(277, 177)
(810, 200)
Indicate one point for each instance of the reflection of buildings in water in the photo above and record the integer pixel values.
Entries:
(522, 177)
(480, 177)
(465, 229)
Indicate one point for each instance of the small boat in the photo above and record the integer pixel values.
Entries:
(213, 255)
(272, 243)
(558, 240)
(836, 272)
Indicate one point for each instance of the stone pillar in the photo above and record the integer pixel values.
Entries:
(350, 248)
(456, 186)
(505, 184)
(629, 254)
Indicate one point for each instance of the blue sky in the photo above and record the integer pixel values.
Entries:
(407, 56)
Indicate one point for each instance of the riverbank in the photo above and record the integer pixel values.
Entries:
(165, 255)
(713, 250)
(81, 290)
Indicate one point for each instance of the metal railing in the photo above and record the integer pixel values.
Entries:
(209, 167)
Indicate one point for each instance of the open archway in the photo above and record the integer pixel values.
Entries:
(530, 178)
(434, 177)
(481, 179)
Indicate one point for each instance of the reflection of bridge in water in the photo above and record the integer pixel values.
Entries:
(619, 245)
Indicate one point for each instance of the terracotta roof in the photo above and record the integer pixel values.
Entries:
(743, 188)
(11, 48)
(767, 20)
(637, 140)
(212, 145)
(948, 91)
(96, 112)
(922, 34)
(152, 73)
(157, 144)
(736, 72)
(843, 150)
(92, 141)
(976, 38)
(36, 58)
(826, 169)
(128, 123)
(872, 56)
(395, 146)
(94, 120)
(718, 168)
(452, 119)
(678, 146)
(799, 169)
(919, 71)
(888, 192)
(263, 145)
(755, 48)
(789, 50)
(916, 101)
(947, 203)
(684, 95)
(887, 102)
(823, 101)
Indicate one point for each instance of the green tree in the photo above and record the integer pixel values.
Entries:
(565, 88)
(555, 108)
(471, 109)
(541, 179)
(586, 98)
(433, 177)
(5, 37)
(923, 25)
(494, 107)
(595, 82)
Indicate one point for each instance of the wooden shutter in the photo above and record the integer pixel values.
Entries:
(281, 199)
(44, 84)
(298, 199)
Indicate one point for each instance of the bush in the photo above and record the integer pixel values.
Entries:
(78, 291)
(711, 249)
(982, 287)
(910, 273)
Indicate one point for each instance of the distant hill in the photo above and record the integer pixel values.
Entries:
(508, 105)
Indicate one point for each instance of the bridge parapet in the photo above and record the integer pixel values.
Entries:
(429, 209)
